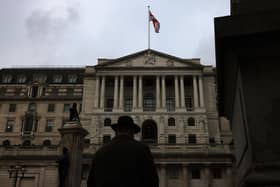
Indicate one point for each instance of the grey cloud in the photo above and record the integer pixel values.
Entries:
(50, 24)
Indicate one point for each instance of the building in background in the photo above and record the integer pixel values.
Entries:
(172, 99)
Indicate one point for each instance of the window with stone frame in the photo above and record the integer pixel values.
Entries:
(34, 91)
(47, 143)
(109, 103)
(51, 107)
(149, 102)
(32, 107)
(66, 107)
(171, 122)
(3, 91)
(172, 139)
(49, 125)
(192, 139)
(191, 121)
(12, 107)
(57, 78)
(189, 103)
(7, 78)
(128, 104)
(72, 78)
(170, 104)
(21, 79)
(195, 172)
(39, 78)
(107, 122)
(216, 173)
(106, 139)
(6, 143)
(10, 125)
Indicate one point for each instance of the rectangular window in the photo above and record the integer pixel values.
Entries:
(106, 139)
(170, 105)
(10, 125)
(51, 107)
(195, 173)
(12, 107)
(66, 107)
(49, 125)
(217, 173)
(109, 105)
(128, 105)
(189, 103)
(192, 139)
(172, 139)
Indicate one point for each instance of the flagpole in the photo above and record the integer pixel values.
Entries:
(149, 27)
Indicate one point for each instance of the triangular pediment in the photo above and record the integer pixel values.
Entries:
(148, 58)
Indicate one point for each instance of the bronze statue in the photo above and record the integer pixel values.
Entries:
(74, 115)
(63, 167)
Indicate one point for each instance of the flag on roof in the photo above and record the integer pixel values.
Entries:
(155, 22)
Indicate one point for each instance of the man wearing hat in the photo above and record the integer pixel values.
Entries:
(124, 162)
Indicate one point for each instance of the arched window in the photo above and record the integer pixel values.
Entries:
(26, 143)
(149, 102)
(6, 143)
(191, 122)
(107, 122)
(47, 143)
(149, 132)
(171, 121)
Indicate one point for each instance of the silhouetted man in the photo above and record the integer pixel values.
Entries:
(63, 167)
(124, 162)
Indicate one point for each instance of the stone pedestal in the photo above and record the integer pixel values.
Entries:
(72, 136)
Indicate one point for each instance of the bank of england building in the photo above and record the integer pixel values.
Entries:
(172, 99)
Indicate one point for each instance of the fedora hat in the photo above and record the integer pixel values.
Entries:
(126, 121)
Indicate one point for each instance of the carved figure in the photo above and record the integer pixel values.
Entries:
(74, 115)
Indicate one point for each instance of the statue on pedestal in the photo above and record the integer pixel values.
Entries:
(74, 115)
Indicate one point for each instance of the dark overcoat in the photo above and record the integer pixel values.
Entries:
(124, 162)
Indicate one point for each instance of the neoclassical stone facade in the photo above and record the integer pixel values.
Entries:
(172, 99)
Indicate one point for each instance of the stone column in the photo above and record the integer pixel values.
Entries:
(96, 103)
(185, 181)
(157, 92)
(72, 138)
(201, 95)
(140, 96)
(102, 95)
(182, 88)
(163, 92)
(134, 104)
(195, 94)
(176, 92)
(162, 176)
(121, 93)
(116, 91)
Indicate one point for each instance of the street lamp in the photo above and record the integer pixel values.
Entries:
(16, 172)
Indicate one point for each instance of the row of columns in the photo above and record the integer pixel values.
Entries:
(198, 94)
(206, 176)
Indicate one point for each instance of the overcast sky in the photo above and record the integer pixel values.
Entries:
(77, 32)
